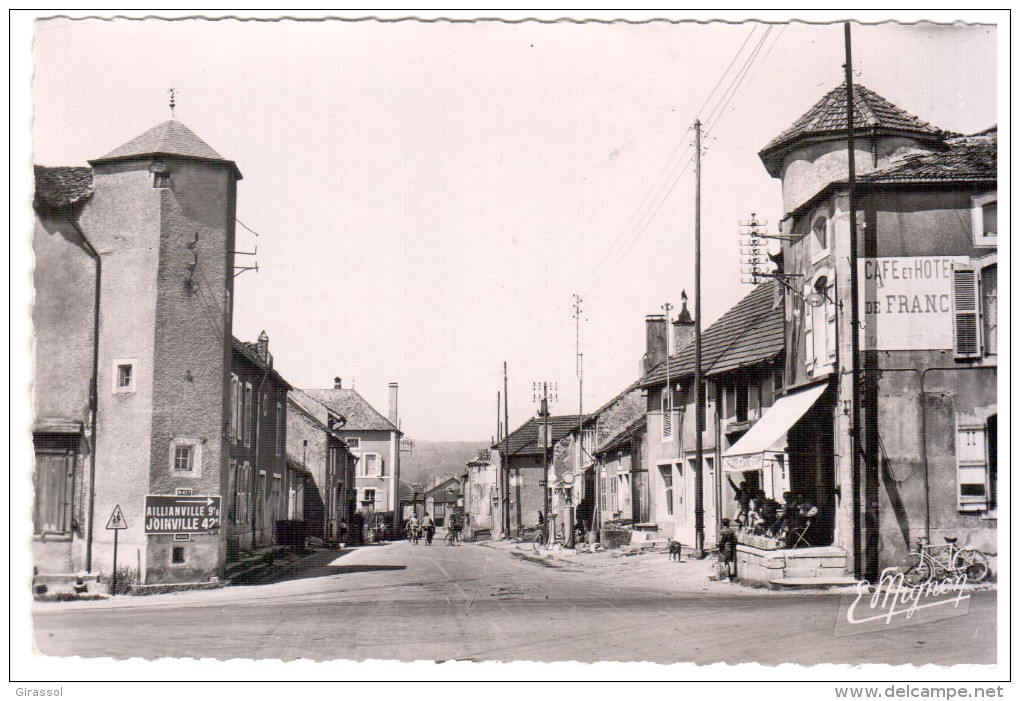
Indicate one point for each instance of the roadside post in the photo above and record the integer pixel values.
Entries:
(117, 523)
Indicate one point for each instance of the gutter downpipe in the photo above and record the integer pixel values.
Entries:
(93, 391)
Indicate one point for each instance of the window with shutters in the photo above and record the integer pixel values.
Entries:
(965, 310)
(54, 488)
(990, 309)
(830, 321)
(984, 218)
(233, 407)
(248, 414)
(972, 466)
(667, 414)
(232, 492)
(371, 465)
(279, 429)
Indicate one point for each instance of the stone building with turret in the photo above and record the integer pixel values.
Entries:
(132, 317)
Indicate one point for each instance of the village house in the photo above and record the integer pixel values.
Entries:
(622, 477)
(375, 440)
(132, 315)
(444, 498)
(927, 240)
(576, 489)
(742, 369)
(320, 469)
(526, 454)
(257, 491)
(481, 498)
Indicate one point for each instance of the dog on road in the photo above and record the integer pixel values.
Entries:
(675, 550)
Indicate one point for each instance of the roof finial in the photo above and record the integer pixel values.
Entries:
(173, 101)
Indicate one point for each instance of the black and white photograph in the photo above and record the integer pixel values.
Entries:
(431, 345)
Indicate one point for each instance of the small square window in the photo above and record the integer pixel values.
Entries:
(177, 556)
(124, 375)
(353, 443)
(184, 458)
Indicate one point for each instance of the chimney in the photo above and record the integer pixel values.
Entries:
(338, 383)
(393, 404)
(655, 342)
(683, 327)
(263, 346)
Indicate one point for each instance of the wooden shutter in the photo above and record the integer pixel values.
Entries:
(809, 339)
(971, 467)
(966, 333)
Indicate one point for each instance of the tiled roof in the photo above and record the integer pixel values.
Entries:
(441, 493)
(750, 332)
(352, 406)
(524, 441)
(871, 112)
(250, 352)
(622, 437)
(966, 158)
(171, 137)
(61, 187)
(407, 492)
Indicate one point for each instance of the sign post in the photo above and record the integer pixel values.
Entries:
(117, 523)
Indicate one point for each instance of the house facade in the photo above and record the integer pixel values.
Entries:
(321, 467)
(444, 498)
(621, 475)
(527, 455)
(258, 492)
(481, 497)
(375, 440)
(927, 267)
(133, 280)
(741, 361)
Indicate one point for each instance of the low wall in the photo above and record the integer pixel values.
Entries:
(758, 566)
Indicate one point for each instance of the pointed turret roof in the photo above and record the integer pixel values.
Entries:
(827, 118)
(171, 138)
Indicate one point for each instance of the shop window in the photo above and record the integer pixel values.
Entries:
(984, 218)
(972, 467)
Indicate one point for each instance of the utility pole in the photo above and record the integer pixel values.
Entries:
(581, 453)
(543, 412)
(855, 396)
(505, 462)
(699, 480)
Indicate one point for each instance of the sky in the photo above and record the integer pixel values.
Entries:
(428, 197)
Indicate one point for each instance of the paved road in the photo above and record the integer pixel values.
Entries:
(472, 602)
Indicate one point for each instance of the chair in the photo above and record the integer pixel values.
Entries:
(798, 535)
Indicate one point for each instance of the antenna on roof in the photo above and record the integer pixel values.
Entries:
(173, 101)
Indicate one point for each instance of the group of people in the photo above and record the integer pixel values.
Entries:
(758, 514)
(425, 527)
(417, 528)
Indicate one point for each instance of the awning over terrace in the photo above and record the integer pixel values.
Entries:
(767, 438)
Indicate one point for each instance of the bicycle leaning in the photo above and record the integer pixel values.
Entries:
(926, 561)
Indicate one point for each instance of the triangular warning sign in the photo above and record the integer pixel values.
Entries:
(117, 521)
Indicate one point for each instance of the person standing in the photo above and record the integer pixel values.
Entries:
(429, 526)
(728, 548)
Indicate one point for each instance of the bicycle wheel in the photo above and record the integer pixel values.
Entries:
(973, 563)
(916, 569)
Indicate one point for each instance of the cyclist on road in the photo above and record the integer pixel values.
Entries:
(429, 527)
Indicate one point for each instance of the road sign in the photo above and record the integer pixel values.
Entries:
(117, 521)
(179, 513)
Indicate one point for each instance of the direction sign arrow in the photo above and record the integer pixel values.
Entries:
(207, 501)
